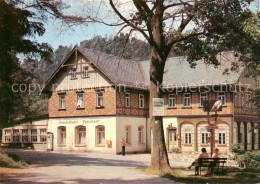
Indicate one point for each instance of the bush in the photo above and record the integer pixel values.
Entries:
(12, 161)
(253, 159)
(235, 149)
(176, 150)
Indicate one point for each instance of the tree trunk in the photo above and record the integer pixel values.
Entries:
(159, 156)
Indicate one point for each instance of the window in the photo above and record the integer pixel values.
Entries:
(80, 100)
(243, 99)
(140, 134)
(222, 97)
(25, 135)
(236, 99)
(250, 100)
(43, 135)
(141, 101)
(16, 135)
(187, 138)
(127, 99)
(100, 101)
(7, 135)
(85, 72)
(127, 134)
(203, 98)
(81, 135)
(100, 138)
(204, 136)
(249, 135)
(73, 73)
(222, 136)
(172, 101)
(34, 135)
(62, 102)
(186, 100)
(235, 135)
(62, 135)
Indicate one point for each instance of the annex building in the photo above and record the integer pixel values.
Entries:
(95, 99)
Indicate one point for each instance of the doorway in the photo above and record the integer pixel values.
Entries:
(172, 138)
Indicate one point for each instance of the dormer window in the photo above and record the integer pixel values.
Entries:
(73, 73)
(85, 72)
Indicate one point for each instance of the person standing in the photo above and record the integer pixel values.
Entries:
(123, 146)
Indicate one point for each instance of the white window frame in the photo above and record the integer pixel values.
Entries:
(80, 135)
(73, 73)
(62, 101)
(127, 100)
(62, 130)
(243, 102)
(249, 136)
(16, 134)
(43, 135)
(8, 135)
(186, 100)
(222, 136)
(80, 105)
(171, 101)
(204, 136)
(100, 135)
(85, 72)
(25, 135)
(141, 101)
(203, 98)
(100, 99)
(187, 137)
(236, 99)
(34, 135)
(222, 97)
(128, 134)
(140, 135)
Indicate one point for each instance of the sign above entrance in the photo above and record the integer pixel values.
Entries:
(76, 121)
(158, 107)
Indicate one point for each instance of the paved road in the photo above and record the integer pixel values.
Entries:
(67, 167)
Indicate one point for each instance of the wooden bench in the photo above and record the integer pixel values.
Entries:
(212, 163)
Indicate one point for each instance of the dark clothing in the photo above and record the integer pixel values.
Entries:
(123, 150)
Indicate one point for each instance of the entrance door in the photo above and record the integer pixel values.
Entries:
(172, 139)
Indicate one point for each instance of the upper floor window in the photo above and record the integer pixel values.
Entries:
(250, 100)
(16, 135)
(127, 99)
(7, 135)
(243, 99)
(100, 99)
(100, 135)
(222, 97)
(33, 135)
(236, 99)
(25, 135)
(80, 100)
(85, 72)
(172, 101)
(43, 135)
(141, 101)
(203, 98)
(73, 73)
(62, 102)
(187, 100)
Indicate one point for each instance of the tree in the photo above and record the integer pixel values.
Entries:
(199, 28)
(20, 21)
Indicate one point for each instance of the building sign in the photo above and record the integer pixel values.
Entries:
(158, 107)
(76, 121)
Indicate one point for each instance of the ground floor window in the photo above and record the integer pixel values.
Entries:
(204, 136)
(222, 136)
(187, 137)
(80, 135)
(62, 135)
(25, 135)
(33, 135)
(127, 134)
(43, 135)
(140, 134)
(16, 135)
(7, 135)
(100, 135)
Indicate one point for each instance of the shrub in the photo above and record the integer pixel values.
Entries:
(176, 150)
(253, 159)
(235, 149)
(11, 160)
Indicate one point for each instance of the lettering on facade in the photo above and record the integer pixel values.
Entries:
(91, 121)
(76, 122)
